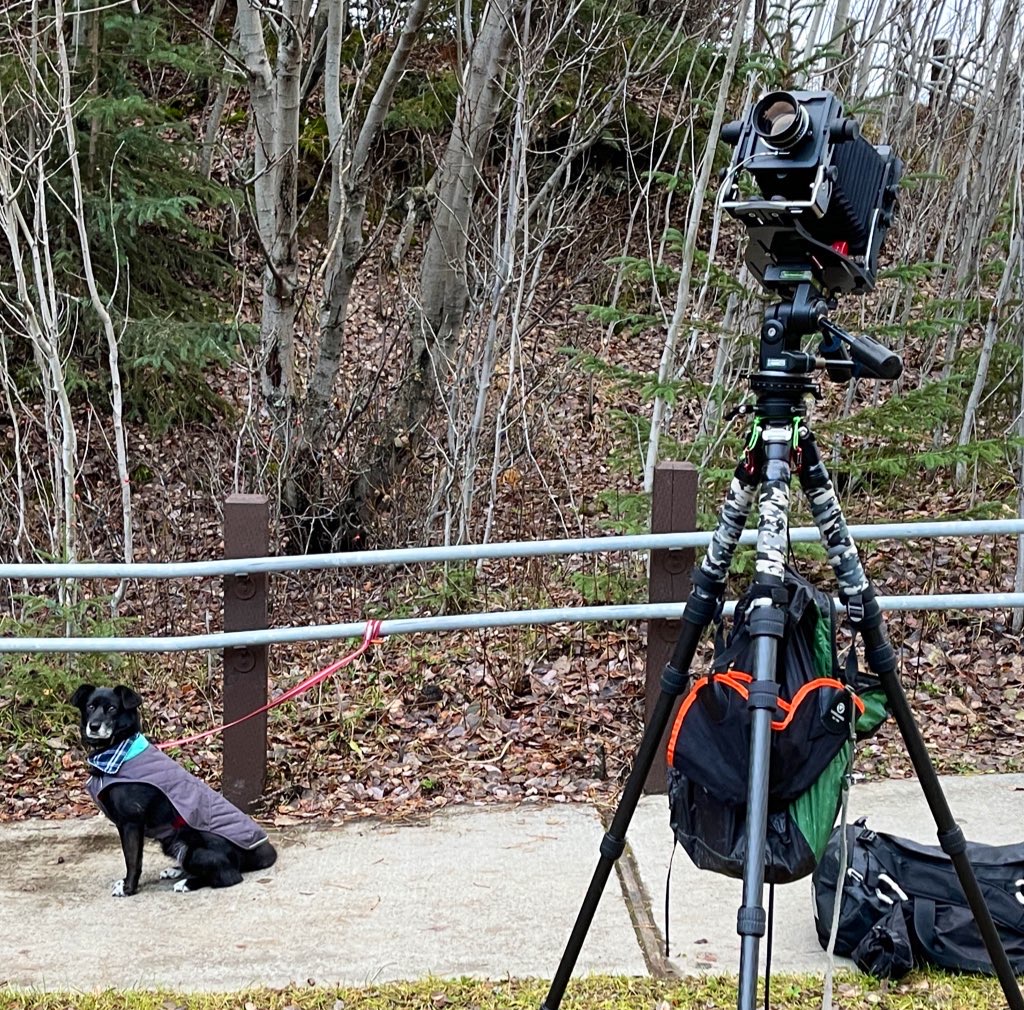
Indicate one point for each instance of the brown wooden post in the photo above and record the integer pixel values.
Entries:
(673, 510)
(246, 526)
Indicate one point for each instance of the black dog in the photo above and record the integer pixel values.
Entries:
(148, 795)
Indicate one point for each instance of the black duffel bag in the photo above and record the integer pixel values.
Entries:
(898, 893)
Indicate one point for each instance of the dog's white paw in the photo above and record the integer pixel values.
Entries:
(171, 873)
(117, 891)
(181, 886)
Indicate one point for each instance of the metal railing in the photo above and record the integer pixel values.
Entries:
(477, 552)
(468, 552)
(246, 568)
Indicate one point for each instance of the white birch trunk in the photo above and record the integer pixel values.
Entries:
(991, 331)
(24, 224)
(36, 305)
(866, 49)
(1018, 579)
(981, 189)
(812, 44)
(443, 291)
(274, 98)
(350, 165)
(839, 39)
(116, 402)
(667, 364)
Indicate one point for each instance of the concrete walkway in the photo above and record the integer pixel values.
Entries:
(486, 892)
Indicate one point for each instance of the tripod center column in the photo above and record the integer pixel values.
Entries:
(767, 621)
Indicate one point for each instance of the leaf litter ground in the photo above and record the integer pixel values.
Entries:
(524, 715)
(550, 714)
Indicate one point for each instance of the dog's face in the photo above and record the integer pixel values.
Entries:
(109, 714)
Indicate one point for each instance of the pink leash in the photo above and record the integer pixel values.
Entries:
(370, 637)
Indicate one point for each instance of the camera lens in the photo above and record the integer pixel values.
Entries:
(780, 120)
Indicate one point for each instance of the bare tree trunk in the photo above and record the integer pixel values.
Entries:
(443, 290)
(443, 286)
(31, 299)
(989, 128)
(668, 354)
(534, 219)
(1018, 579)
(274, 96)
(991, 331)
(837, 74)
(221, 93)
(980, 184)
(866, 50)
(41, 323)
(351, 145)
(811, 44)
(120, 440)
(506, 225)
(302, 410)
(212, 17)
(20, 542)
(350, 165)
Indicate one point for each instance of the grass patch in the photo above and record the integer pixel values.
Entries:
(918, 991)
(35, 687)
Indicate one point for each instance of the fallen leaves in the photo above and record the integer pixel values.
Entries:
(403, 734)
(515, 715)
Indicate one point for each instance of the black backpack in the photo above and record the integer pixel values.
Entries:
(709, 747)
(902, 904)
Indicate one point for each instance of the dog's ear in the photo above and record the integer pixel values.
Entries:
(83, 692)
(128, 698)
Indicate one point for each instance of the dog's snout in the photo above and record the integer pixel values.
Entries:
(99, 727)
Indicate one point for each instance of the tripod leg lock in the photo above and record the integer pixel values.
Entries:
(612, 847)
(953, 842)
(763, 694)
(704, 604)
(767, 621)
(751, 921)
(711, 585)
(674, 681)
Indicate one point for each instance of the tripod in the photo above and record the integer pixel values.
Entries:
(780, 444)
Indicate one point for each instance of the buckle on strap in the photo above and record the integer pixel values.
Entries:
(884, 878)
(855, 608)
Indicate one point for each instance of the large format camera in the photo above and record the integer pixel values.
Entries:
(827, 196)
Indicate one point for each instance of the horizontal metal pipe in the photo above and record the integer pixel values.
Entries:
(459, 622)
(475, 552)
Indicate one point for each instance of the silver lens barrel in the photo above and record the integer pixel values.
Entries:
(780, 120)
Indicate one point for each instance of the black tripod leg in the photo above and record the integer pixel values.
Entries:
(701, 608)
(866, 616)
(673, 683)
(767, 623)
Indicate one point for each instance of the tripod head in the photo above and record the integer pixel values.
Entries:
(783, 368)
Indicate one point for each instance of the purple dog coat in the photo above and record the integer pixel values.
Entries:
(197, 805)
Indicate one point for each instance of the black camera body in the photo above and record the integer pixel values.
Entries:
(827, 196)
